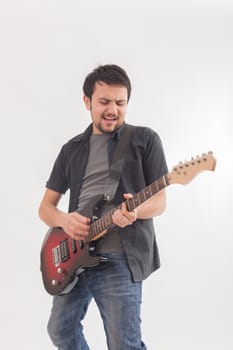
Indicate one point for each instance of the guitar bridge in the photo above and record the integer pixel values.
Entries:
(61, 253)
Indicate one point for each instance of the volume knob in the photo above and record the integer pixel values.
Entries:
(60, 270)
(54, 282)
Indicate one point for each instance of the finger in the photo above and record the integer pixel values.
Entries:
(123, 220)
(119, 219)
(130, 215)
(128, 195)
(81, 218)
(80, 229)
(125, 212)
(77, 237)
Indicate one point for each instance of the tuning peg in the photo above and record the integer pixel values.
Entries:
(180, 165)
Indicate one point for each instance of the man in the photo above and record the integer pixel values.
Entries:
(82, 166)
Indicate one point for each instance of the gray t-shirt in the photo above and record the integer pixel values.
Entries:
(97, 169)
(94, 181)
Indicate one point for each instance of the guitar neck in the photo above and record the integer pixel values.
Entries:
(104, 222)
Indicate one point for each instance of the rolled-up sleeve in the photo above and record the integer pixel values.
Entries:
(58, 178)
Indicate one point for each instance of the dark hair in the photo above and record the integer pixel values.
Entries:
(109, 74)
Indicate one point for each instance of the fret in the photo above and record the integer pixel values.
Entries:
(91, 233)
(104, 219)
(88, 238)
(161, 183)
(97, 223)
(165, 184)
(109, 218)
(101, 224)
(157, 186)
(147, 192)
(139, 200)
(94, 228)
(144, 195)
(107, 221)
(154, 187)
(141, 196)
(151, 193)
(134, 203)
(130, 204)
(167, 180)
(136, 200)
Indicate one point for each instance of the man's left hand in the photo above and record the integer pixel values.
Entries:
(122, 217)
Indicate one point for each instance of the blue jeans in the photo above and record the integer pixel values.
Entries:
(118, 299)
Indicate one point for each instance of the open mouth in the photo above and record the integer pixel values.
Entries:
(109, 118)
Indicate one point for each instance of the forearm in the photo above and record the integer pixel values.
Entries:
(155, 206)
(74, 224)
(51, 215)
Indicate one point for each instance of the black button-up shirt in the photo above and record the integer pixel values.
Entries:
(144, 163)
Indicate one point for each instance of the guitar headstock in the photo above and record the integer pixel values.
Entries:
(183, 173)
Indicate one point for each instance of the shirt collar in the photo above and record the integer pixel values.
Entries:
(87, 133)
(117, 133)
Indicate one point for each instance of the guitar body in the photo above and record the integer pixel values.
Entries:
(63, 258)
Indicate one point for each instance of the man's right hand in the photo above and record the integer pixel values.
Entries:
(76, 225)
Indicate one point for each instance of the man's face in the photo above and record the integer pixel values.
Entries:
(108, 107)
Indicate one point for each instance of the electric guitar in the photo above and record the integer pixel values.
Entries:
(64, 258)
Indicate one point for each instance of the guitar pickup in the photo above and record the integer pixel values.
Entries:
(73, 246)
(64, 249)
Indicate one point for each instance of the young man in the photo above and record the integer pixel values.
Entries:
(82, 166)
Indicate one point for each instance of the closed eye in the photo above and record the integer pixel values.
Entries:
(120, 103)
(106, 101)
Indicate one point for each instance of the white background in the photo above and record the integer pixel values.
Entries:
(179, 56)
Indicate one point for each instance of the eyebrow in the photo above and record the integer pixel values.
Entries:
(109, 100)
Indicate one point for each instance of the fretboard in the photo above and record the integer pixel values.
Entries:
(104, 222)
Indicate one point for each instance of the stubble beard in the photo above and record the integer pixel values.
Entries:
(106, 130)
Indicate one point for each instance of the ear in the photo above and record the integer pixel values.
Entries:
(87, 102)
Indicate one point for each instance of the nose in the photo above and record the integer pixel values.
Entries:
(112, 108)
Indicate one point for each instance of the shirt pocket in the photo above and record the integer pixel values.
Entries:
(133, 176)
